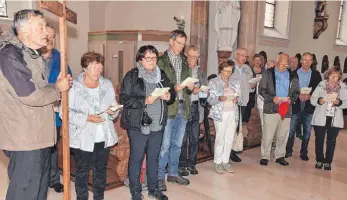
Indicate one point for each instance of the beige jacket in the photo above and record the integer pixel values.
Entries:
(27, 119)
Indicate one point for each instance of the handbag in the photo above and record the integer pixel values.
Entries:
(146, 120)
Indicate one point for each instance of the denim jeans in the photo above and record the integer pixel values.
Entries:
(306, 121)
(190, 143)
(171, 146)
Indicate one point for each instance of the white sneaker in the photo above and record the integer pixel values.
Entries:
(227, 167)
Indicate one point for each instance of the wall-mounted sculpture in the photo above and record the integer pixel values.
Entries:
(325, 63)
(314, 62)
(345, 66)
(321, 19)
(226, 24)
(337, 61)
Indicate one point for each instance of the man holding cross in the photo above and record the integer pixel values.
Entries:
(27, 127)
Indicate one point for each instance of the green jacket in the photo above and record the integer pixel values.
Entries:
(164, 63)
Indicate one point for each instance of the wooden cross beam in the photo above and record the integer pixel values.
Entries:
(64, 14)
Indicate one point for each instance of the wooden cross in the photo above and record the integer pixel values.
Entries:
(64, 14)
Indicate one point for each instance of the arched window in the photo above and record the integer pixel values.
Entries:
(338, 34)
(269, 21)
(3, 8)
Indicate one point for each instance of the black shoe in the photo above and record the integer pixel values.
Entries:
(192, 170)
(304, 157)
(178, 179)
(282, 162)
(263, 162)
(58, 187)
(319, 165)
(327, 166)
(137, 196)
(234, 157)
(288, 155)
(183, 171)
(162, 185)
(157, 194)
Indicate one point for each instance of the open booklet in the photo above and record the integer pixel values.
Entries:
(305, 90)
(189, 80)
(330, 97)
(160, 91)
(204, 88)
(232, 96)
(113, 108)
(254, 80)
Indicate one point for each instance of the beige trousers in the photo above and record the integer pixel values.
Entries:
(274, 126)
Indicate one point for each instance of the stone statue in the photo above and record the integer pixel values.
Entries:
(345, 66)
(325, 63)
(321, 19)
(226, 23)
(180, 23)
(314, 62)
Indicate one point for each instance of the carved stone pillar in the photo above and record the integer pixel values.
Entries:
(199, 30)
(248, 26)
(247, 39)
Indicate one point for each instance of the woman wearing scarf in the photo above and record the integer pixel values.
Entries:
(224, 98)
(144, 117)
(330, 97)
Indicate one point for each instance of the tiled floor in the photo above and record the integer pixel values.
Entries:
(299, 181)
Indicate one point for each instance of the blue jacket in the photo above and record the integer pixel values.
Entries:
(55, 70)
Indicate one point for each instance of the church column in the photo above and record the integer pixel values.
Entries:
(248, 26)
(199, 30)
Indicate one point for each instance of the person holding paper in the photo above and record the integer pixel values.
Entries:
(175, 66)
(140, 105)
(303, 109)
(92, 131)
(328, 116)
(243, 73)
(189, 149)
(225, 96)
(280, 88)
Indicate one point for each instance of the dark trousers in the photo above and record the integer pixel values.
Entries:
(98, 160)
(54, 172)
(190, 145)
(296, 118)
(28, 172)
(331, 133)
(139, 145)
(246, 115)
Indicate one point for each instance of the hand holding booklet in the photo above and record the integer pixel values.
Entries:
(113, 108)
(232, 96)
(305, 90)
(189, 80)
(204, 88)
(160, 91)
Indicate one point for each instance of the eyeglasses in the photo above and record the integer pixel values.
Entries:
(149, 59)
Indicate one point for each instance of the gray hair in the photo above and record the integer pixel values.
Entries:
(177, 33)
(22, 17)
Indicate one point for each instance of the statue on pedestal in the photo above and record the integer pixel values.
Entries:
(226, 24)
(181, 23)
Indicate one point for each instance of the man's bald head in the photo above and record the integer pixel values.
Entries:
(282, 62)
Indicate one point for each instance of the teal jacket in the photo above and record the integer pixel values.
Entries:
(164, 63)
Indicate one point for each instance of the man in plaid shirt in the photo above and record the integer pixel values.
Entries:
(173, 63)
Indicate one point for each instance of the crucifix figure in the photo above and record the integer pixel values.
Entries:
(64, 14)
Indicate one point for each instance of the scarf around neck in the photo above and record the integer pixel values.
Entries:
(333, 88)
(148, 76)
